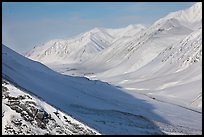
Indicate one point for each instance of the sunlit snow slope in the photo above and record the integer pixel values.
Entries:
(72, 50)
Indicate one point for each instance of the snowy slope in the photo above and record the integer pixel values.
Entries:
(129, 54)
(75, 96)
(114, 111)
(176, 68)
(191, 17)
(23, 114)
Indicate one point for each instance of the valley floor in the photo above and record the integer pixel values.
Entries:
(174, 118)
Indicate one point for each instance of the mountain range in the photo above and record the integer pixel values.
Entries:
(131, 80)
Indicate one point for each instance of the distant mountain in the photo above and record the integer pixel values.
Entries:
(129, 54)
(191, 17)
(72, 50)
(80, 48)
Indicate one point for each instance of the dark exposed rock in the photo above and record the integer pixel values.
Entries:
(17, 122)
(12, 98)
(40, 124)
(4, 82)
(23, 113)
(14, 107)
(14, 102)
(33, 110)
(30, 102)
(65, 117)
(21, 97)
(5, 95)
(40, 115)
(23, 106)
(4, 89)
(19, 110)
(57, 114)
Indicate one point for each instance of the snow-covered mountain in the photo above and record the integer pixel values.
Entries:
(114, 111)
(127, 49)
(72, 50)
(81, 47)
(177, 67)
(129, 54)
(191, 17)
(172, 45)
(155, 72)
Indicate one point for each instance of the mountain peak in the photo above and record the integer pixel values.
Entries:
(197, 5)
(94, 30)
(189, 17)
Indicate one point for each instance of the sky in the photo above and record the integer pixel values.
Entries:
(29, 24)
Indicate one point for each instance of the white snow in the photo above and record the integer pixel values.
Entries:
(150, 74)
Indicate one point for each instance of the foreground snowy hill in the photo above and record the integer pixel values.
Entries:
(75, 96)
(23, 114)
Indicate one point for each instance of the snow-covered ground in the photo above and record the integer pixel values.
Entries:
(89, 101)
(24, 114)
(133, 80)
(108, 109)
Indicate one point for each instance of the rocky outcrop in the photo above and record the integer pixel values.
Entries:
(34, 119)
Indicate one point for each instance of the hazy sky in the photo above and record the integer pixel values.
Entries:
(27, 24)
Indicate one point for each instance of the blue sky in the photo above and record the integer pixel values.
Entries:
(25, 25)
